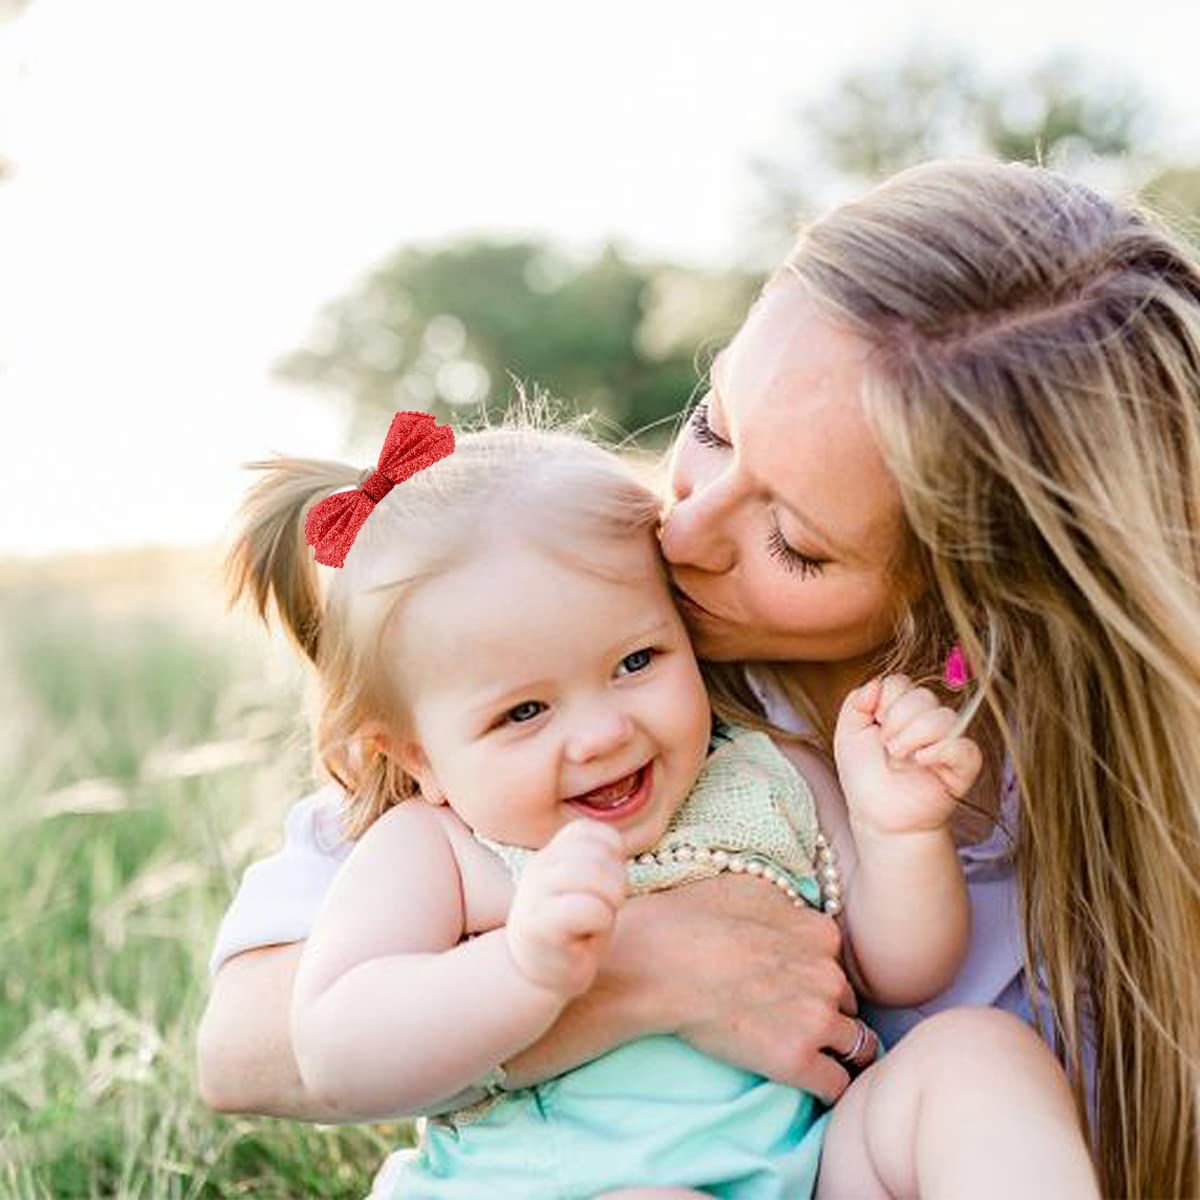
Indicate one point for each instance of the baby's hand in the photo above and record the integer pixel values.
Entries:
(899, 767)
(565, 907)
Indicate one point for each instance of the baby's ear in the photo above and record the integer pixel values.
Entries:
(412, 758)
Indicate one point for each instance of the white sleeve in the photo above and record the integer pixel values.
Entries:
(279, 895)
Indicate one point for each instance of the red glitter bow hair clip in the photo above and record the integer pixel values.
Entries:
(414, 441)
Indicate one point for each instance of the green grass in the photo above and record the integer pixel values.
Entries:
(143, 761)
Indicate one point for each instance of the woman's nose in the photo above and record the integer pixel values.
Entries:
(698, 525)
(598, 731)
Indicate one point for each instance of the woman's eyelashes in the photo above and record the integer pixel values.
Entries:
(702, 431)
(792, 559)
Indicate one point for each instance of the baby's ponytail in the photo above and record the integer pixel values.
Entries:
(269, 558)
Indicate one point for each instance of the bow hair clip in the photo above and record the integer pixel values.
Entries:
(414, 441)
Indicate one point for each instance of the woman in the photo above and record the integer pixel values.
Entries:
(965, 413)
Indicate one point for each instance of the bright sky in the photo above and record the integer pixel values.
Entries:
(192, 180)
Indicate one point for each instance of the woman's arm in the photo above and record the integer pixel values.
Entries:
(244, 1057)
(727, 964)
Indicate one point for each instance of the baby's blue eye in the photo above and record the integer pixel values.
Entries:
(639, 660)
(525, 711)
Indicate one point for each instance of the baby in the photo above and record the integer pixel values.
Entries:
(511, 700)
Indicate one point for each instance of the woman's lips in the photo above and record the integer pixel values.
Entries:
(690, 606)
(623, 806)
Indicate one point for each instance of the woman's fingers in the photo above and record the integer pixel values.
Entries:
(772, 995)
(824, 1077)
(857, 1045)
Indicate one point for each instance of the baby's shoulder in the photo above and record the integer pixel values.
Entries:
(414, 825)
(416, 819)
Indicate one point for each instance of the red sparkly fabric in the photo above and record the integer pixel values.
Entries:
(414, 441)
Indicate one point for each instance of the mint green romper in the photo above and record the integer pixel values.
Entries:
(655, 1111)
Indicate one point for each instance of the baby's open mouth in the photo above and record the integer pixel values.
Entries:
(615, 799)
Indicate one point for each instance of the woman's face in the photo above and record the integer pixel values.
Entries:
(784, 527)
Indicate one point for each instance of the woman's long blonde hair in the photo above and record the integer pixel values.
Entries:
(552, 486)
(1035, 388)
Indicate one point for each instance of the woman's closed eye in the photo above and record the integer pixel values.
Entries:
(792, 559)
(702, 431)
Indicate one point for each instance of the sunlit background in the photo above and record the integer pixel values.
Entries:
(229, 229)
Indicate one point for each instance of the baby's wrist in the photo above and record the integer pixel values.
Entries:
(872, 840)
(546, 990)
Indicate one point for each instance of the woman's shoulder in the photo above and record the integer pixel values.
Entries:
(315, 824)
(775, 705)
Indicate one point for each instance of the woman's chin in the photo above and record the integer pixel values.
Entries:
(716, 643)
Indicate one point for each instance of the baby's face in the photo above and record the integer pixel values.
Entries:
(543, 693)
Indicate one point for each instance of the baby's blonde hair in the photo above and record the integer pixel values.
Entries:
(550, 485)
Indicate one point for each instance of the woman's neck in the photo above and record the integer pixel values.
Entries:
(827, 684)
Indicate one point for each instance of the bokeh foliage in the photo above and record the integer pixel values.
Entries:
(451, 327)
(145, 761)
(454, 327)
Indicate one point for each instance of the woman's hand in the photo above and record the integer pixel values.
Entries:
(730, 966)
(760, 982)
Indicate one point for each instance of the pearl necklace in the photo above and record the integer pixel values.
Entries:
(829, 878)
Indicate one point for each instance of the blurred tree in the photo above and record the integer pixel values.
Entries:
(930, 104)
(451, 328)
(1174, 195)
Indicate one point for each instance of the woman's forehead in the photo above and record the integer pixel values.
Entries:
(789, 390)
(787, 344)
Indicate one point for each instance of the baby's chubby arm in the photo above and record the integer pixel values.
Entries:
(906, 912)
(393, 1011)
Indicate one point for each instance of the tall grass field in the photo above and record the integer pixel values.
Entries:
(149, 745)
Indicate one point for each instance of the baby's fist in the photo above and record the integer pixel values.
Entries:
(902, 760)
(565, 907)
